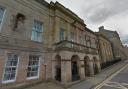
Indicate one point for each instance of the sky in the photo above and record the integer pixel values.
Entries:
(112, 14)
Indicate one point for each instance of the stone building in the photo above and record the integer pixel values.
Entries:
(24, 37)
(41, 41)
(126, 50)
(105, 50)
(75, 51)
(118, 48)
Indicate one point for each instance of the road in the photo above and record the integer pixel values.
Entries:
(118, 80)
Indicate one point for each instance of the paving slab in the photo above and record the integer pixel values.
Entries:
(48, 85)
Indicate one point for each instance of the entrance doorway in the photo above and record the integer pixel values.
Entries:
(75, 68)
(58, 68)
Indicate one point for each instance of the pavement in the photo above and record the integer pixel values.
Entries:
(48, 85)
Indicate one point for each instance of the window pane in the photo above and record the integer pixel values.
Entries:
(33, 66)
(72, 36)
(2, 10)
(62, 32)
(39, 37)
(10, 68)
(37, 31)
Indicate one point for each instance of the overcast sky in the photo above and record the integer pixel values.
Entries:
(113, 14)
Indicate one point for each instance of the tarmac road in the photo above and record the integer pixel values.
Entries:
(118, 80)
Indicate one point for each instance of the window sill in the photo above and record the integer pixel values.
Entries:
(37, 42)
(8, 81)
(32, 78)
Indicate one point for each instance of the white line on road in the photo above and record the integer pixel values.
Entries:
(115, 85)
(109, 78)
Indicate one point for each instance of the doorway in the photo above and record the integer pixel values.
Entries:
(58, 68)
(75, 68)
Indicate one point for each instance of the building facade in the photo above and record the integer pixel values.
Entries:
(41, 41)
(117, 45)
(105, 50)
(75, 52)
(126, 50)
(24, 30)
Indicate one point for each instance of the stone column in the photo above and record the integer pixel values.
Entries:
(91, 68)
(63, 71)
(3, 58)
(53, 69)
(98, 66)
(47, 65)
(68, 71)
(82, 70)
(22, 67)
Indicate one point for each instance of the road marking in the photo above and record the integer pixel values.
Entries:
(109, 78)
(115, 85)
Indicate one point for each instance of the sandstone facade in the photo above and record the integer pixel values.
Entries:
(41, 41)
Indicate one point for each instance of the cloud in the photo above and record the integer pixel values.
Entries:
(98, 12)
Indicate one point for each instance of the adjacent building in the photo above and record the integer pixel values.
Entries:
(105, 51)
(75, 52)
(126, 50)
(24, 37)
(117, 45)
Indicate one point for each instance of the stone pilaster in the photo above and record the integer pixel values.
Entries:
(91, 68)
(82, 70)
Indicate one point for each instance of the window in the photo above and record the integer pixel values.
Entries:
(37, 31)
(72, 36)
(85, 42)
(10, 68)
(80, 39)
(88, 41)
(33, 67)
(93, 43)
(2, 12)
(62, 33)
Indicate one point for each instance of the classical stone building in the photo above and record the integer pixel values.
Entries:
(41, 41)
(117, 45)
(105, 50)
(75, 49)
(24, 37)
